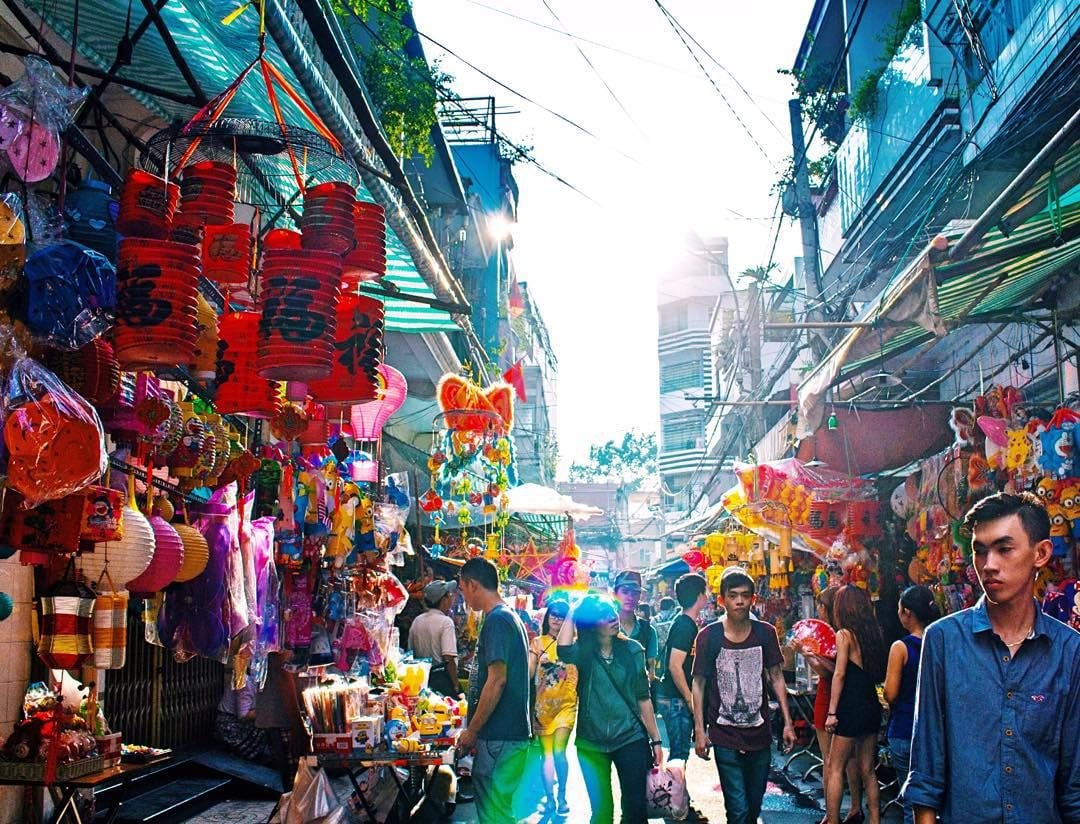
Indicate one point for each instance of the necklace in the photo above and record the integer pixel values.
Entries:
(1015, 644)
(607, 659)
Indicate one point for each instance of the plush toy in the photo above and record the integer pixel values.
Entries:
(1070, 503)
(1060, 530)
(1047, 490)
(1018, 449)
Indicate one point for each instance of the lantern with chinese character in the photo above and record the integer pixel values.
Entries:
(357, 353)
(226, 253)
(240, 390)
(367, 259)
(157, 303)
(147, 204)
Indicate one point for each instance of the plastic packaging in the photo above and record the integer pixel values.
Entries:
(12, 235)
(54, 437)
(71, 294)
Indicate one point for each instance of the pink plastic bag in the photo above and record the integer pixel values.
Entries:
(665, 791)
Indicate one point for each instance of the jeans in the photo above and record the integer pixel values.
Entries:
(632, 763)
(680, 726)
(496, 771)
(900, 749)
(743, 776)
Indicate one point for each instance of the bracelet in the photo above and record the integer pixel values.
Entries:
(656, 743)
(831, 715)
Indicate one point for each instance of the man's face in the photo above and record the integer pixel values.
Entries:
(1006, 560)
(737, 602)
(702, 601)
(628, 597)
(468, 590)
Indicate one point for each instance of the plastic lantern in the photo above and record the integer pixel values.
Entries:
(166, 564)
(127, 558)
(358, 344)
(196, 553)
(240, 391)
(369, 418)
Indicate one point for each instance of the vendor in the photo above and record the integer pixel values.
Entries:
(434, 636)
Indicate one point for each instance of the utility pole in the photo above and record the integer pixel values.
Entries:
(808, 228)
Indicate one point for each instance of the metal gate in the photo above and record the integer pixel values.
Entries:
(156, 701)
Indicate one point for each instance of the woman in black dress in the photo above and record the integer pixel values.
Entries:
(854, 709)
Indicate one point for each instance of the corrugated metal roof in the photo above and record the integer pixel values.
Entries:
(216, 54)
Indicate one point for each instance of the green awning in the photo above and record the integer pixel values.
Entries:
(216, 54)
(1004, 274)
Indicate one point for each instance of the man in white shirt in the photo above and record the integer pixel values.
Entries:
(434, 636)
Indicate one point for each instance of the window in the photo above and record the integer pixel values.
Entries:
(673, 318)
(683, 431)
(684, 375)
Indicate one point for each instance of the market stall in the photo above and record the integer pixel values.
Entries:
(194, 391)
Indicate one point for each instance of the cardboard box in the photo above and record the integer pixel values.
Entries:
(108, 747)
(332, 743)
(367, 732)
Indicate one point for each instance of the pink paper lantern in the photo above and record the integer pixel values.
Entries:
(369, 418)
(166, 563)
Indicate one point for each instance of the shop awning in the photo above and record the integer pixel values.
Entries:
(215, 54)
(1004, 275)
(673, 568)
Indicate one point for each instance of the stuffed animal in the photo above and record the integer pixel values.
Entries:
(1060, 531)
(1069, 497)
(1018, 449)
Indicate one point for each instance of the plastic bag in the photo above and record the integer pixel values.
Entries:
(54, 437)
(12, 235)
(34, 110)
(70, 294)
(312, 799)
(665, 791)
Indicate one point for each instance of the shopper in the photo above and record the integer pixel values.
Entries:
(555, 707)
(854, 717)
(734, 657)
(675, 695)
(234, 724)
(628, 589)
(616, 723)
(916, 611)
(996, 735)
(667, 611)
(498, 728)
(824, 668)
(277, 710)
(434, 636)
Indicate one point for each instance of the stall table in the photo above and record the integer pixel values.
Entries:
(63, 790)
(801, 703)
(417, 764)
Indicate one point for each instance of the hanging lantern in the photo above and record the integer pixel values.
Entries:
(226, 253)
(90, 217)
(207, 192)
(367, 259)
(92, 371)
(204, 362)
(157, 303)
(240, 390)
(131, 555)
(66, 612)
(109, 624)
(299, 297)
(328, 221)
(369, 418)
(147, 204)
(358, 353)
(166, 564)
(196, 553)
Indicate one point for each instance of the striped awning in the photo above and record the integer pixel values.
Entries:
(216, 54)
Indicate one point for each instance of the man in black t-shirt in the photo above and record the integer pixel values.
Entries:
(498, 727)
(674, 697)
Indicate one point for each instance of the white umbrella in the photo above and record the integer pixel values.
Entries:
(534, 499)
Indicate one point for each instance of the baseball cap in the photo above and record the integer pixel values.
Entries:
(628, 578)
(434, 592)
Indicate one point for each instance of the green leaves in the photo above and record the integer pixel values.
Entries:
(628, 461)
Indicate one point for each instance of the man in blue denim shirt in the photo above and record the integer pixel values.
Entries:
(997, 715)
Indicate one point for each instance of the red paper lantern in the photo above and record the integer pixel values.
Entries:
(147, 205)
(226, 253)
(328, 221)
(358, 349)
(157, 285)
(299, 298)
(367, 259)
(92, 371)
(240, 390)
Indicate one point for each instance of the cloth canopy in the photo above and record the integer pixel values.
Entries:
(535, 499)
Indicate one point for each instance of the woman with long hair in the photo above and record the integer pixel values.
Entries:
(616, 723)
(556, 704)
(854, 710)
(916, 610)
(824, 668)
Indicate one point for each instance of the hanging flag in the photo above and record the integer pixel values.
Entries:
(515, 376)
(517, 301)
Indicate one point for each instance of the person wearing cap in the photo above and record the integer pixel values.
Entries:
(434, 636)
(628, 589)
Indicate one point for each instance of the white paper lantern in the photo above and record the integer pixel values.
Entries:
(127, 558)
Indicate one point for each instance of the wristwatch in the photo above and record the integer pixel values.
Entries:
(656, 743)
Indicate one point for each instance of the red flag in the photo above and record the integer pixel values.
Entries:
(515, 376)
(516, 307)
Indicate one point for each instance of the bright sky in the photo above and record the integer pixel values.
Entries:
(668, 155)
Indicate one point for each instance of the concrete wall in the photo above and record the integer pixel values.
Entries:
(15, 651)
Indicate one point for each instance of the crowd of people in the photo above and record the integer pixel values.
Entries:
(983, 705)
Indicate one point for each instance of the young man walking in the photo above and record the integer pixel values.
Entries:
(674, 695)
(628, 589)
(734, 658)
(996, 736)
(498, 726)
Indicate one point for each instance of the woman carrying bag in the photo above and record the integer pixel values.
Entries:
(616, 723)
